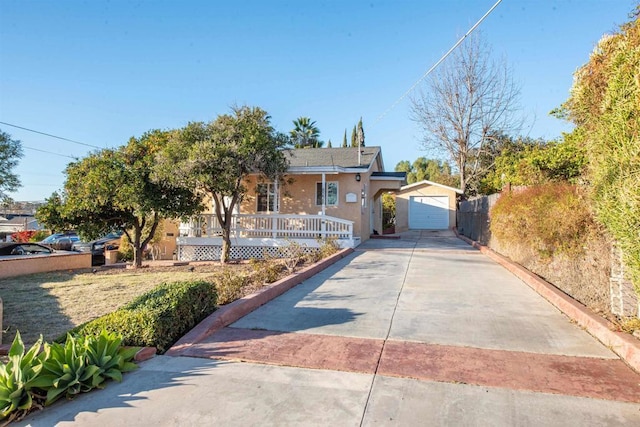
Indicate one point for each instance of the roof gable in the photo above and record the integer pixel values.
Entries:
(425, 182)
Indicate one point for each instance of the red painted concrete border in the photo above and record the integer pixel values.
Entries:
(145, 353)
(239, 308)
(609, 379)
(624, 345)
(313, 351)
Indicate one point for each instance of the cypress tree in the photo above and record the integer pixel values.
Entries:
(360, 133)
(344, 140)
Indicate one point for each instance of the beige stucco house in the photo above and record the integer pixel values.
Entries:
(326, 192)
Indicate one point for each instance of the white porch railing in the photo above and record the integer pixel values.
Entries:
(276, 226)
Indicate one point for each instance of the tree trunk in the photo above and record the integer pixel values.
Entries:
(137, 248)
(226, 245)
(137, 256)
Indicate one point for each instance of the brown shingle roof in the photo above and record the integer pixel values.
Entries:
(340, 157)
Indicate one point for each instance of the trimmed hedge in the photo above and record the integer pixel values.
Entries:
(157, 318)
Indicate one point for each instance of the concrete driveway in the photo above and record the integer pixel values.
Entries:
(424, 330)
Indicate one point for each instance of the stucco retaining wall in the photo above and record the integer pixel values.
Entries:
(21, 265)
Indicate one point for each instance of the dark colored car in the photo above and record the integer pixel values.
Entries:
(61, 241)
(97, 247)
(16, 248)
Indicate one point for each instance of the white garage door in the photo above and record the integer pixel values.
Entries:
(429, 212)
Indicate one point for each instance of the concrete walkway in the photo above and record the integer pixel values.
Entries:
(424, 330)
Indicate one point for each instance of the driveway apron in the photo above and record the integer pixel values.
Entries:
(422, 330)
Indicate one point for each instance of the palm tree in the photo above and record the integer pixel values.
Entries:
(305, 134)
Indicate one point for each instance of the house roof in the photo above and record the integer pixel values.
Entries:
(425, 182)
(332, 158)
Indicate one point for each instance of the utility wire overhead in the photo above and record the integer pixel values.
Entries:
(52, 136)
(49, 152)
(433, 67)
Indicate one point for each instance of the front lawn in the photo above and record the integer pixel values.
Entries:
(52, 303)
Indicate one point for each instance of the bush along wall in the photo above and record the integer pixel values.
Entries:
(159, 317)
(550, 230)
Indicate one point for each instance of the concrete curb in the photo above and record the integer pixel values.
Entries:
(231, 312)
(624, 345)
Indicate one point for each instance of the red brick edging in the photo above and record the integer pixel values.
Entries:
(231, 312)
(624, 345)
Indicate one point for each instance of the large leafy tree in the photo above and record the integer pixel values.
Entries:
(216, 157)
(427, 169)
(467, 102)
(605, 106)
(10, 152)
(305, 134)
(526, 161)
(115, 189)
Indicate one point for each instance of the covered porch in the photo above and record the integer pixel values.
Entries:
(257, 235)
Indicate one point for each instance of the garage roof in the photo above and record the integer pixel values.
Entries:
(425, 182)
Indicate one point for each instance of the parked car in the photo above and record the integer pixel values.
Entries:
(97, 247)
(61, 241)
(16, 248)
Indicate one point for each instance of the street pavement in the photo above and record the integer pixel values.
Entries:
(423, 330)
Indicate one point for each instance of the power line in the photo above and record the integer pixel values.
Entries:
(52, 136)
(433, 67)
(49, 152)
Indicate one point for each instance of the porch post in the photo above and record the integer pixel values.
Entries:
(276, 208)
(324, 192)
(276, 195)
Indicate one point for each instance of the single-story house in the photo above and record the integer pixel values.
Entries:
(13, 223)
(327, 192)
(426, 205)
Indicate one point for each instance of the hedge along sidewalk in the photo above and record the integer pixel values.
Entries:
(623, 344)
(231, 312)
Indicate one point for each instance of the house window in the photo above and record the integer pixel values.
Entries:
(266, 198)
(332, 193)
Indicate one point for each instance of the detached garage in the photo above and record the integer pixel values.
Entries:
(426, 205)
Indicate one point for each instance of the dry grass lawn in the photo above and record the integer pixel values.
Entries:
(52, 303)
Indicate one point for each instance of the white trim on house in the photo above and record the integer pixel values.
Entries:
(307, 170)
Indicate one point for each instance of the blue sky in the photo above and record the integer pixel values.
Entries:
(99, 72)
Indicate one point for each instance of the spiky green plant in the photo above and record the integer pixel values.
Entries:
(17, 377)
(66, 371)
(105, 352)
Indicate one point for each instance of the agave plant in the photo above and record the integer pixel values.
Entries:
(66, 371)
(105, 352)
(18, 376)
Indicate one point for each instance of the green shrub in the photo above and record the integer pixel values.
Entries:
(604, 104)
(125, 251)
(39, 236)
(158, 318)
(551, 218)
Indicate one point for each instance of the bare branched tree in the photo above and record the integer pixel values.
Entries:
(467, 102)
